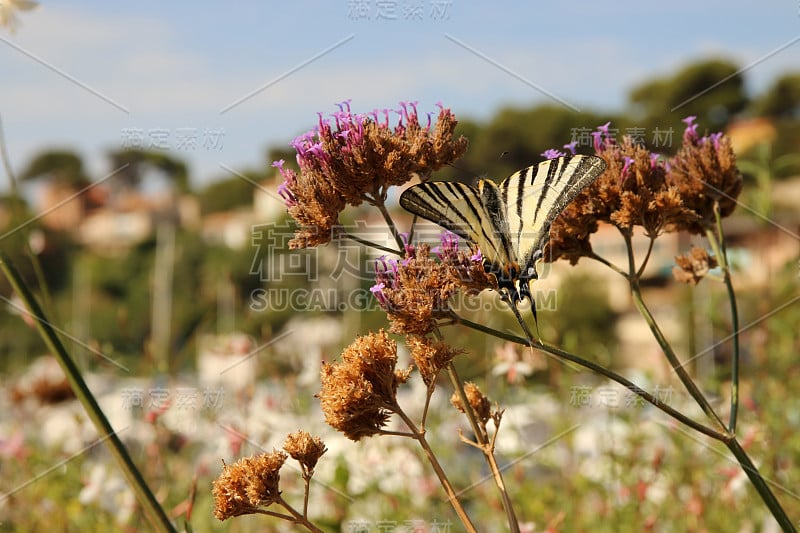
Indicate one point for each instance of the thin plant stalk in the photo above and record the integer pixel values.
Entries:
(613, 376)
(346, 235)
(676, 364)
(761, 486)
(718, 246)
(452, 497)
(486, 446)
(296, 517)
(379, 203)
(153, 510)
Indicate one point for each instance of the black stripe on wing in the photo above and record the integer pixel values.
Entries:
(460, 209)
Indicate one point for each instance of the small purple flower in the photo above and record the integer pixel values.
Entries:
(380, 265)
(403, 111)
(279, 165)
(552, 153)
(477, 256)
(344, 104)
(715, 137)
(409, 248)
(394, 264)
(690, 134)
(654, 160)
(377, 290)
(604, 129)
(597, 141)
(288, 196)
(571, 147)
(626, 167)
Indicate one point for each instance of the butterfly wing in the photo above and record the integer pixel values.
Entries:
(474, 214)
(510, 222)
(535, 196)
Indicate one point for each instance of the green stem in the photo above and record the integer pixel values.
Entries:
(296, 517)
(720, 251)
(760, 485)
(440, 473)
(344, 234)
(646, 258)
(609, 264)
(613, 376)
(483, 443)
(379, 203)
(147, 500)
(677, 366)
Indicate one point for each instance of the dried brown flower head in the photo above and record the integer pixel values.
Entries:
(359, 393)
(704, 171)
(693, 266)
(479, 402)
(356, 159)
(246, 485)
(638, 190)
(414, 292)
(305, 449)
(430, 356)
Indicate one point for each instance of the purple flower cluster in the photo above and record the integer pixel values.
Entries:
(347, 128)
(690, 135)
(386, 277)
(388, 271)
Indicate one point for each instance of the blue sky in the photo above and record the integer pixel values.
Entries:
(174, 67)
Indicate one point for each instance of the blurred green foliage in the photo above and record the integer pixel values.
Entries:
(62, 166)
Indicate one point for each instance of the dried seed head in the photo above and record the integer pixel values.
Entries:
(480, 403)
(430, 356)
(415, 292)
(304, 448)
(355, 157)
(246, 485)
(358, 394)
(638, 189)
(693, 266)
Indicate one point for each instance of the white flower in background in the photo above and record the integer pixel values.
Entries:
(306, 342)
(8, 17)
(230, 360)
(514, 365)
(110, 491)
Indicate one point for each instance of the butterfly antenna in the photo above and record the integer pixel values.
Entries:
(524, 325)
(531, 342)
(536, 321)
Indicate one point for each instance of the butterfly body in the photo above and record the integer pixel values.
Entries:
(510, 221)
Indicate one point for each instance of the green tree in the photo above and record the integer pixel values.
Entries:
(62, 166)
(782, 99)
(137, 162)
(516, 137)
(713, 90)
(229, 193)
